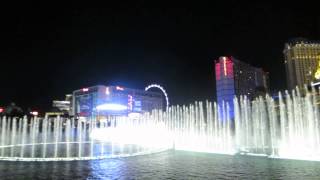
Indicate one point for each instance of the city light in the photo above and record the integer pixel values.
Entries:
(35, 113)
(62, 102)
(317, 73)
(85, 89)
(111, 107)
(119, 88)
(107, 91)
(225, 66)
(130, 102)
(1, 110)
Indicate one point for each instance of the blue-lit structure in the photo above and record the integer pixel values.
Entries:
(225, 83)
(114, 100)
(236, 78)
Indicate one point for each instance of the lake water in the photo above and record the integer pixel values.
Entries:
(165, 165)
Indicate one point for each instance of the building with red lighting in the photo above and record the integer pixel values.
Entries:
(235, 78)
(113, 100)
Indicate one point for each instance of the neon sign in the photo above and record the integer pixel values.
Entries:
(225, 66)
(130, 102)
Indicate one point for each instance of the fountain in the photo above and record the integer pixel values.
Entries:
(287, 127)
(284, 128)
(63, 139)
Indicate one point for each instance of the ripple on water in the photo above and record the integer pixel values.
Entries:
(166, 165)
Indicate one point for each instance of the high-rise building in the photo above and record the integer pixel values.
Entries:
(235, 78)
(301, 58)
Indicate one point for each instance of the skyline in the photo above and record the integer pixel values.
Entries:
(64, 49)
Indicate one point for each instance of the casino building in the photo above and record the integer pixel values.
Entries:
(302, 62)
(100, 100)
(235, 78)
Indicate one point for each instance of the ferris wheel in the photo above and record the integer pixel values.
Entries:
(163, 91)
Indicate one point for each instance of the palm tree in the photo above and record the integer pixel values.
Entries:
(13, 110)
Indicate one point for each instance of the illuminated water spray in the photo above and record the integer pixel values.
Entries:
(286, 127)
(65, 139)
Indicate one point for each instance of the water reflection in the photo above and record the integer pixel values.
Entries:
(166, 165)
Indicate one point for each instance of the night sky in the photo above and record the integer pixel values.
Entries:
(48, 50)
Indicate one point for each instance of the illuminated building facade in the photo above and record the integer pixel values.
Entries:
(114, 100)
(61, 107)
(301, 62)
(65, 105)
(235, 78)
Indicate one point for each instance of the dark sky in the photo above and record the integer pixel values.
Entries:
(48, 50)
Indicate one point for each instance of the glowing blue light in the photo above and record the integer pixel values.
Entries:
(112, 107)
